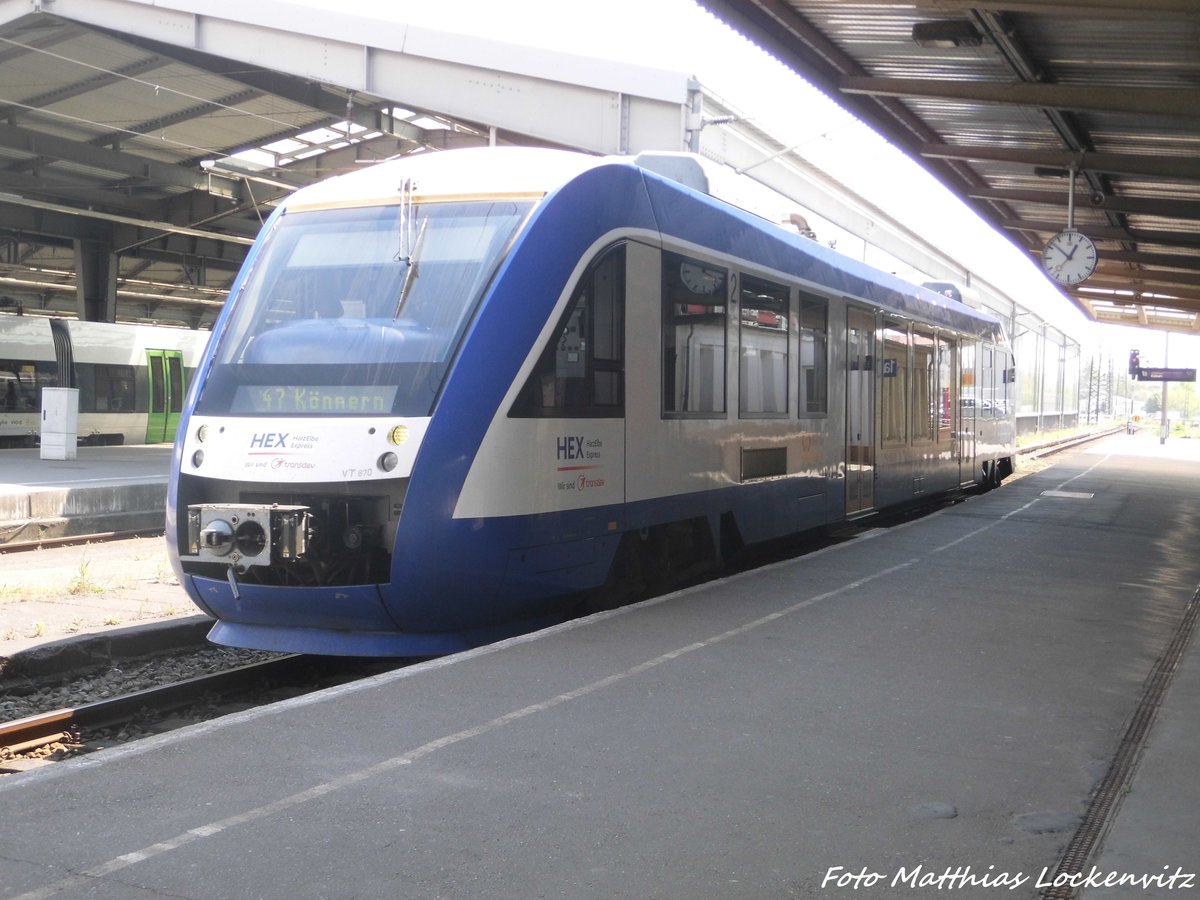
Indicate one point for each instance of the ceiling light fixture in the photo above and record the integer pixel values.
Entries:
(946, 34)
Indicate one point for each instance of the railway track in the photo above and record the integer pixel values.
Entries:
(46, 737)
(1049, 448)
(99, 537)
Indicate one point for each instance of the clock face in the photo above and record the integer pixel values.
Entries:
(1069, 257)
(698, 279)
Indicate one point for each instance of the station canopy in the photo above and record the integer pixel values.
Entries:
(143, 142)
(1039, 114)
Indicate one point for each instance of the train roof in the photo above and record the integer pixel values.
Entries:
(530, 172)
(483, 172)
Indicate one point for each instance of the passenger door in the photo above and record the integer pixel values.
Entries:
(167, 387)
(860, 411)
(970, 397)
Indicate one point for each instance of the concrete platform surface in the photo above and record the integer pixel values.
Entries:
(922, 711)
(104, 489)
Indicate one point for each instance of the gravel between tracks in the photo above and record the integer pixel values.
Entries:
(26, 698)
(56, 593)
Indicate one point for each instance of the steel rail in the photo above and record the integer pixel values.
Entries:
(71, 725)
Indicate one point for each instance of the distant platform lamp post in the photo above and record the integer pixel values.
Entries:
(1165, 423)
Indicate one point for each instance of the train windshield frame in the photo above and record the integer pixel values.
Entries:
(358, 310)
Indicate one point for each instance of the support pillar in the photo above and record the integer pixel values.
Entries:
(95, 281)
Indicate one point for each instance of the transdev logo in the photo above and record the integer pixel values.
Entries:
(281, 463)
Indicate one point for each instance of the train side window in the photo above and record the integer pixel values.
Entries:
(946, 388)
(20, 380)
(814, 356)
(114, 387)
(763, 356)
(925, 404)
(581, 372)
(893, 383)
(1005, 388)
(969, 396)
(694, 298)
(987, 383)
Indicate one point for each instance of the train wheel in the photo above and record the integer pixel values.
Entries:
(992, 475)
(655, 561)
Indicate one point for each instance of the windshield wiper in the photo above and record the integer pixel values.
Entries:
(410, 273)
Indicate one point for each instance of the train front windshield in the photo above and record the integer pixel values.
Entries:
(357, 311)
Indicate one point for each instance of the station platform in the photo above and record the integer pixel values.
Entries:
(102, 490)
(962, 704)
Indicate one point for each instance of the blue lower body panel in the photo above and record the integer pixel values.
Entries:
(330, 642)
(334, 642)
(352, 607)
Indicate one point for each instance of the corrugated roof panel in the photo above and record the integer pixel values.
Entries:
(1001, 145)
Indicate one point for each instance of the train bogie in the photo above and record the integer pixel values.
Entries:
(451, 395)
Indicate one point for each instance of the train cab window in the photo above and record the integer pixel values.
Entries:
(694, 299)
(763, 355)
(581, 372)
(893, 383)
(814, 356)
(925, 403)
(357, 310)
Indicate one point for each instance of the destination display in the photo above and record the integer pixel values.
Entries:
(307, 399)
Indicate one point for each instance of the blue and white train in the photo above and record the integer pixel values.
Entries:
(455, 392)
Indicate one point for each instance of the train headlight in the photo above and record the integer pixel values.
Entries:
(389, 461)
(197, 459)
(202, 433)
(398, 435)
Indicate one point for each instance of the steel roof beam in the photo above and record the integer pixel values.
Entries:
(1183, 304)
(1157, 280)
(1146, 206)
(1139, 257)
(1140, 287)
(1107, 232)
(774, 25)
(1142, 281)
(138, 130)
(998, 30)
(304, 92)
(1077, 97)
(1089, 9)
(1173, 167)
(97, 215)
(127, 165)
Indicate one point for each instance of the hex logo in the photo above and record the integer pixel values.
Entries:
(269, 439)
